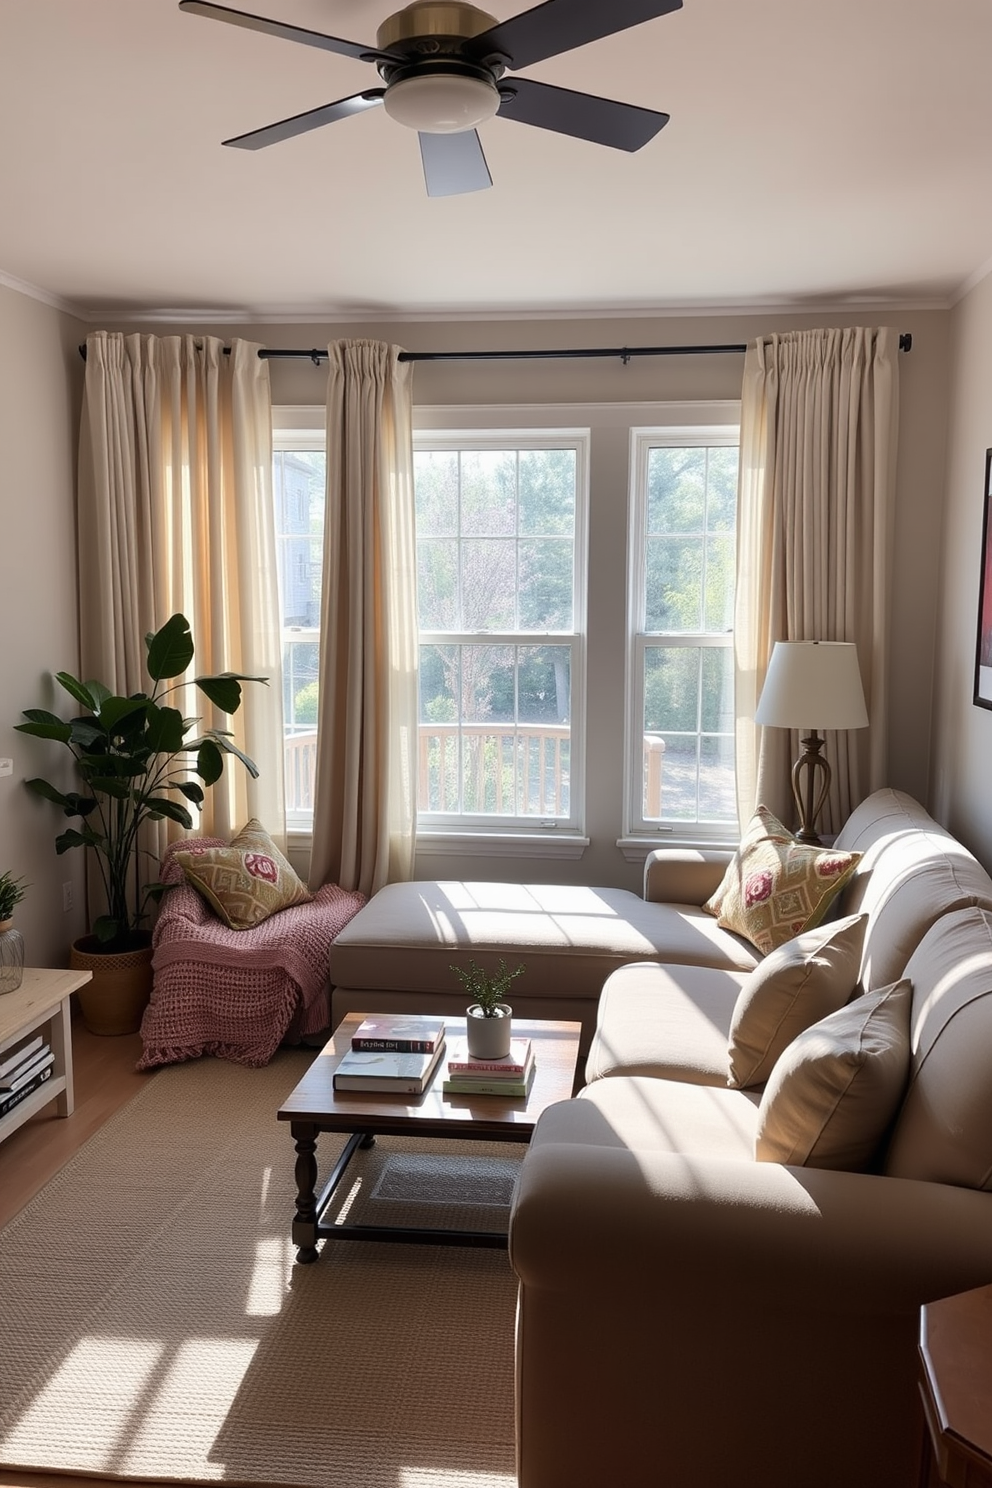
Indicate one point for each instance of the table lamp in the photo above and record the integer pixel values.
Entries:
(812, 685)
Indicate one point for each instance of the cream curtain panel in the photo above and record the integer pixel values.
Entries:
(819, 419)
(175, 514)
(366, 779)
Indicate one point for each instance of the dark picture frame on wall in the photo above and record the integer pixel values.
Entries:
(983, 652)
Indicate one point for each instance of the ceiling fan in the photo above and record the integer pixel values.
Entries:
(442, 63)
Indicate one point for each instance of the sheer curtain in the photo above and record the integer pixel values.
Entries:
(175, 514)
(819, 420)
(365, 791)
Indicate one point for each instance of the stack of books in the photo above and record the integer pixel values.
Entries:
(511, 1077)
(395, 1054)
(22, 1070)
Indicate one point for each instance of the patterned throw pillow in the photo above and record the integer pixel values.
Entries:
(776, 887)
(246, 881)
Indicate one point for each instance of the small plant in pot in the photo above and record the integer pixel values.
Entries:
(135, 756)
(488, 1017)
(11, 941)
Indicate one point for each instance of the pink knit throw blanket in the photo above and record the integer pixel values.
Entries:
(237, 993)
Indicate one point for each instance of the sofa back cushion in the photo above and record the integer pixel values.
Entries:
(911, 872)
(943, 1132)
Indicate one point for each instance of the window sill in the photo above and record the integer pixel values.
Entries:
(501, 844)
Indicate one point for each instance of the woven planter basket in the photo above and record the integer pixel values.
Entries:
(116, 998)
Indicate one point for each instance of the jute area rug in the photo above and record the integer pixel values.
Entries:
(155, 1324)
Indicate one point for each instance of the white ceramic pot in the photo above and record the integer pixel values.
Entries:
(489, 1038)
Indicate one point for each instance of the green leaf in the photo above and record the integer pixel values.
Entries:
(223, 742)
(165, 732)
(42, 788)
(106, 928)
(43, 725)
(115, 712)
(191, 790)
(79, 690)
(158, 806)
(71, 838)
(170, 650)
(88, 733)
(110, 785)
(209, 762)
(224, 690)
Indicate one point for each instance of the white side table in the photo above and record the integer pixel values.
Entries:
(42, 997)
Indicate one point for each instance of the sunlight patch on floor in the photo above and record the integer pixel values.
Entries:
(85, 1412)
(270, 1277)
(208, 1370)
(439, 1477)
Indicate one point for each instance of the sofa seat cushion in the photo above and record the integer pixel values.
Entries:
(567, 937)
(643, 1114)
(671, 1022)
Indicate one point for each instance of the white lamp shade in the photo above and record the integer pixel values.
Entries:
(441, 103)
(813, 685)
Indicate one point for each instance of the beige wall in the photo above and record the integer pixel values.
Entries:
(962, 733)
(40, 383)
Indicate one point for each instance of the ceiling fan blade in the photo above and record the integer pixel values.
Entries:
(454, 163)
(561, 25)
(623, 126)
(328, 113)
(287, 32)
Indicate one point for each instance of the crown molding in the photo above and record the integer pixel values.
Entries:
(35, 292)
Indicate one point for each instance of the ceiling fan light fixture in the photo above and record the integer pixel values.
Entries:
(441, 102)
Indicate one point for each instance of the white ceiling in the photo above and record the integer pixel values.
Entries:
(819, 152)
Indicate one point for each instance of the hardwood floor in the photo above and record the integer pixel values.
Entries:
(105, 1079)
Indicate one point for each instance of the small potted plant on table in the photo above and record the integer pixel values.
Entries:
(489, 1017)
(11, 940)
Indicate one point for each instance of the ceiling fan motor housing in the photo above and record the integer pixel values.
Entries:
(438, 87)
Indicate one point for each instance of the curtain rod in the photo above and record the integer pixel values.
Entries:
(625, 353)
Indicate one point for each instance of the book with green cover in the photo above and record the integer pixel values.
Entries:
(510, 1089)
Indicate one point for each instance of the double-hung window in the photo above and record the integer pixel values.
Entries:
(681, 665)
(500, 579)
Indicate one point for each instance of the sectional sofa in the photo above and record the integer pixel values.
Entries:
(705, 1298)
(720, 1300)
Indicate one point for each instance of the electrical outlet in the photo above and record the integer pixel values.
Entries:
(66, 897)
(6, 767)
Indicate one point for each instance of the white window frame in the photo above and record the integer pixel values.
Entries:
(304, 427)
(641, 833)
(439, 829)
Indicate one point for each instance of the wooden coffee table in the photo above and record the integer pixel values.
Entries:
(315, 1107)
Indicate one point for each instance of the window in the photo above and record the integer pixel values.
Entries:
(500, 576)
(298, 495)
(500, 519)
(681, 665)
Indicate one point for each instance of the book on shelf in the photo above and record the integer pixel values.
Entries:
(16, 1057)
(460, 1061)
(402, 1035)
(509, 1089)
(387, 1070)
(39, 1060)
(11, 1098)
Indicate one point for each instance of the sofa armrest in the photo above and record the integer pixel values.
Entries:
(604, 1219)
(684, 875)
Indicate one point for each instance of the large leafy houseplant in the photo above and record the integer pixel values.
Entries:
(136, 758)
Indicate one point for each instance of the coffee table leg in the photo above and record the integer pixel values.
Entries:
(305, 1222)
